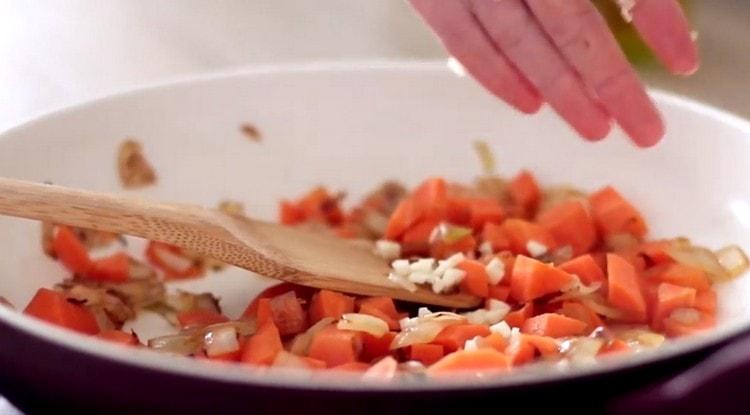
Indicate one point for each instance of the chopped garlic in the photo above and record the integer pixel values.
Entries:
(425, 265)
(421, 277)
(496, 271)
(451, 262)
(536, 249)
(502, 328)
(387, 249)
(486, 248)
(423, 311)
(403, 282)
(401, 267)
(472, 344)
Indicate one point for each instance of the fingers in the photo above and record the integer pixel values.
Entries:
(516, 33)
(464, 39)
(584, 39)
(665, 29)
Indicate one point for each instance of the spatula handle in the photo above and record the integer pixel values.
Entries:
(106, 212)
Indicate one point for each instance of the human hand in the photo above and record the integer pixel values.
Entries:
(562, 52)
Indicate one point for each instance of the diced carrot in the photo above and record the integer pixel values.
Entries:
(120, 337)
(518, 317)
(200, 318)
(520, 351)
(351, 367)
(586, 268)
(679, 274)
(405, 215)
(440, 249)
(706, 301)
(114, 268)
(453, 337)
(300, 291)
(570, 224)
(613, 214)
(290, 214)
(624, 291)
(70, 251)
(53, 307)
(656, 251)
(498, 292)
(600, 257)
(483, 211)
(431, 198)
(319, 205)
(426, 353)
(476, 281)
(532, 279)
(376, 347)
(676, 328)
(495, 235)
(166, 257)
(287, 314)
(525, 192)
(416, 240)
(484, 360)
(614, 346)
(520, 233)
(329, 304)
(381, 307)
(376, 312)
(553, 325)
(263, 346)
(634, 258)
(264, 313)
(547, 346)
(335, 347)
(578, 311)
(495, 341)
(669, 298)
(458, 212)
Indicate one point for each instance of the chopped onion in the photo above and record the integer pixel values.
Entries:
(301, 342)
(364, 323)
(221, 341)
(733, 259)
(385, 369)
(184, 343)
(555, 195)
(621, 241)
(375, 222)
(449, 233)
(639, 338)
(577, 290)
(581, 350)
(485, 156)
(242, 327)
(688, 316)
(699, 257)
(597, 305)
(425, 329)
(290, 361)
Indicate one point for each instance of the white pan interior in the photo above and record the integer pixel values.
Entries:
(350, 126)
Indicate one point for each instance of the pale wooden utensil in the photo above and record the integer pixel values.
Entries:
(289, 254)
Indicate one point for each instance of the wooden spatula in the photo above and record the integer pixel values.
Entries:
(289, 254)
